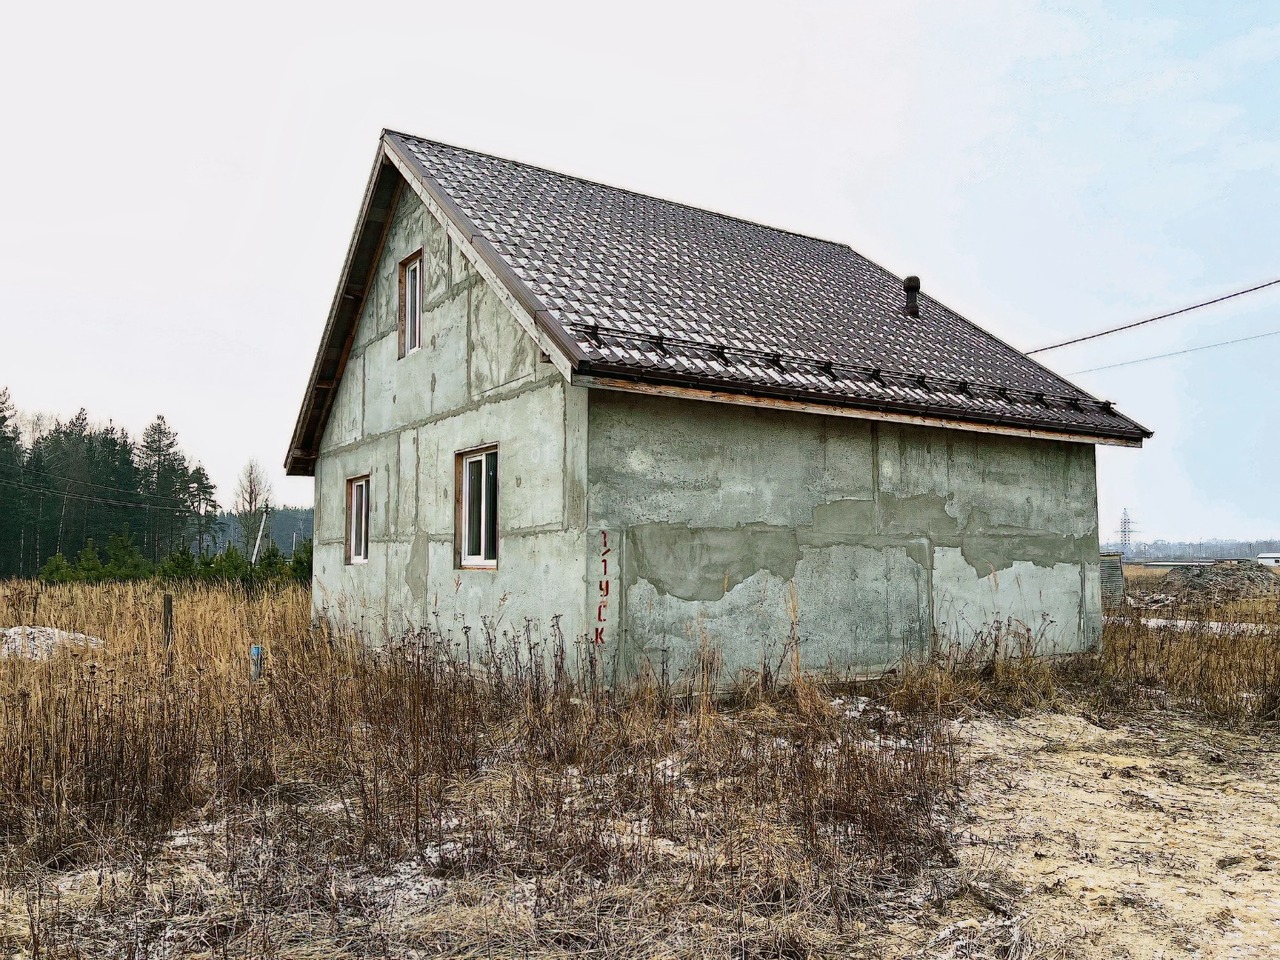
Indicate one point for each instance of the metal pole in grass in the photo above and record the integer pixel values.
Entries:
(168, 632)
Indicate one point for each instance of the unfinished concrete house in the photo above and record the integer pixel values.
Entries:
(539, 397)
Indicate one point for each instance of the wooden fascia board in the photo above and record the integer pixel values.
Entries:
(530, 312)
(305, 414)
(330, 395)
(836, 410)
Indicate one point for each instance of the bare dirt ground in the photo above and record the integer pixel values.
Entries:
(1159, 838)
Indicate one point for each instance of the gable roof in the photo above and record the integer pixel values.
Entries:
(632, 289)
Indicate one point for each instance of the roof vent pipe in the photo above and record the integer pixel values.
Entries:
(911, 287)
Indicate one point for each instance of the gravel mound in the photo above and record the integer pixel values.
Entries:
(38, 643)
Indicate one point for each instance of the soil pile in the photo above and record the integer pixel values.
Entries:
(1219, 582)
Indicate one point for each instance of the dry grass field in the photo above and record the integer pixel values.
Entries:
(157, 803)
(1147, 578)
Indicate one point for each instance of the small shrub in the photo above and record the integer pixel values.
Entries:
(58, 570)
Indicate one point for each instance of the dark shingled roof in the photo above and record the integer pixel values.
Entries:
(660, 291)
(636, 288)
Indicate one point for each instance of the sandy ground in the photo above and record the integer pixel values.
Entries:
(1156, 839)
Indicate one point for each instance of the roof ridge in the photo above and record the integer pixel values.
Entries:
(626, 190)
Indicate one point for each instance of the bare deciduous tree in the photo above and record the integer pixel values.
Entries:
(253, 493)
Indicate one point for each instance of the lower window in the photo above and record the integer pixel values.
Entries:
(478, 508)
(358, 520)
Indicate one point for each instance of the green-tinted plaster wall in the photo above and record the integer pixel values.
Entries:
(478, 379)
(649, 525)
(738, 526)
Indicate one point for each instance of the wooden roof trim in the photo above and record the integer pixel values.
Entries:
(344, 314)
(758, 400)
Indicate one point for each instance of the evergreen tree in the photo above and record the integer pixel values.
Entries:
(65, 486)
(201, 495)
(41, 496)
(12, 496)
(67, 458)
(116, 473)
(166, 485)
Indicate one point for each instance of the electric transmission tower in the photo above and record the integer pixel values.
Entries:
(1127, 530)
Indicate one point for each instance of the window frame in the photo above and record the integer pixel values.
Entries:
(410, 309)
(488, 534)
(358, 552)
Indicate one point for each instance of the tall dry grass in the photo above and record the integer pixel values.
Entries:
(1226, 670)
(544, 814)
(122, 737)
(768, 822)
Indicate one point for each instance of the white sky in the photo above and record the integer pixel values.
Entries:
(178, 186)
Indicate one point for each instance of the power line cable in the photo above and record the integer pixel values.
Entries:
(99, 500)
(1163, 316)
(88, 483)
(1177, 353)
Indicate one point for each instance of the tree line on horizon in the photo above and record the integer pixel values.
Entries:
(1193, 549)
(82, 500)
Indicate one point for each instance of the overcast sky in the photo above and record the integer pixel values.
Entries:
(179, 184)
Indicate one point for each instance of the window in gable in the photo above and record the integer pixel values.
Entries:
(358, 519)
(477, 526)
(411, 304)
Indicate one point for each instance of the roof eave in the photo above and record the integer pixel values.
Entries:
(627, 379)
(376, 209)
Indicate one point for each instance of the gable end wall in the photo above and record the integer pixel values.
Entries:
(478, 379)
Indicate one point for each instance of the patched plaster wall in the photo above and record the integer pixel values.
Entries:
(478, 379)
(737, 526)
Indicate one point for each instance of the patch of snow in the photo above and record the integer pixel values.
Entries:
(854, 707)
(39, 643)
(1192, 624)
(406, 887)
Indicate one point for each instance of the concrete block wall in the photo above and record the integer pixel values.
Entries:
(737, 526)
(478, 379)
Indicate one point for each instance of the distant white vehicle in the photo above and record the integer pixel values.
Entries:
(1269, 559)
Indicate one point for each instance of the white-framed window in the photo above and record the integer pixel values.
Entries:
(477, 526)
(358, 519)
(411, 304)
